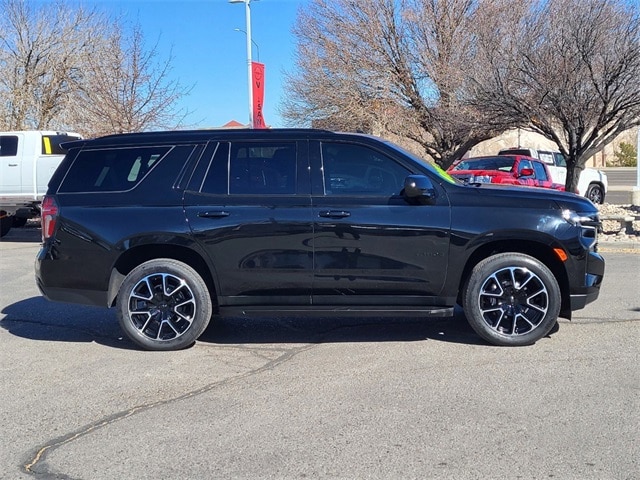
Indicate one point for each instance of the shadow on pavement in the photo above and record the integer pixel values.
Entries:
(316, 329)
(38, 319)
(31, 233)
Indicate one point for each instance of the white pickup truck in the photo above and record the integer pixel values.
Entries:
(27, 162)
(592, 183)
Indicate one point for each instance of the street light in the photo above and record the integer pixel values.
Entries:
(252, 41)
(249, 76)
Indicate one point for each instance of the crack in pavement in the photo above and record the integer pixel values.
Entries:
(34, 465)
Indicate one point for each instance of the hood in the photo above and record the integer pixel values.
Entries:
(525, 196)
(489, 173)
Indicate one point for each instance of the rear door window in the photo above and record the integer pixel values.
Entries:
(541, 173)
(8, 145)
(114, 170)
(252, 168)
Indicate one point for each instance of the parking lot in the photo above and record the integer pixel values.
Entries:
(316, 398)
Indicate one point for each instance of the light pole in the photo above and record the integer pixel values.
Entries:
(249, 76)
(252, 41)
(635, 192)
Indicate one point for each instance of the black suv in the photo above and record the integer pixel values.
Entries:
(172, 227)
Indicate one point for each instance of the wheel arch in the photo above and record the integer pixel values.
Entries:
(135, 256)
(542, 252)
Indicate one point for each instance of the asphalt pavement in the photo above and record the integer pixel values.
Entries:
(286, 398)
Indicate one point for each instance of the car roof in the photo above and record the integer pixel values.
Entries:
(211, 134)
(486, 157)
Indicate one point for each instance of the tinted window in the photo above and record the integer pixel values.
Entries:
(8, 145)
(51, 144)
(114, 170)
(517, 151)
(216, 179)
(358, 170)
(504, 163)
(541, 173)
(560, 160)
(262, 168)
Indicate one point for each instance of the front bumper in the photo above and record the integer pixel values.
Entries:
(588, 288)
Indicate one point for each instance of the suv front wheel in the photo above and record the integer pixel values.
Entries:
(164, 304)
(511, 299)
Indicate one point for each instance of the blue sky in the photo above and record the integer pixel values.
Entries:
(210, 55)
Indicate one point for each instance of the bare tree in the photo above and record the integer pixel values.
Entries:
(39, 60)
(392, 67)
(127, 87)
(571, 72)
(65, 67)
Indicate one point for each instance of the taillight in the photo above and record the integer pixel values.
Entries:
(49, 216)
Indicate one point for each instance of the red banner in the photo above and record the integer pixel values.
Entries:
(257, 80)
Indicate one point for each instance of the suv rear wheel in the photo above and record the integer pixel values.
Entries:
(511, 299)
(164, 304)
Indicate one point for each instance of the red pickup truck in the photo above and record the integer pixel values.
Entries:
(505, 169)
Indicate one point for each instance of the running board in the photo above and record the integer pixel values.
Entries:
(296, 310)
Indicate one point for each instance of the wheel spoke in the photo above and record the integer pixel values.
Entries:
(146, 323)
(524, 317)
(496, 283)
(530, 277)
(170, 324)
(514, 324)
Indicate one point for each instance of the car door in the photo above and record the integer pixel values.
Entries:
(530, 180)
(371, 247)
(11, 162)
(248, 206)
(542, 179)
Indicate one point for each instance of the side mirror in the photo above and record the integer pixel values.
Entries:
(418, 188)
(525, 172)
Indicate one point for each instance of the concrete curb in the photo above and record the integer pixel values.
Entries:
(619, 247)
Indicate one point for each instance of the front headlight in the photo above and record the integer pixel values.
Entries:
(589, 224)
(574, 218)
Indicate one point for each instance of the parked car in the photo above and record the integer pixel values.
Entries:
(505, 169)
(592, 183)
(172, 227)
(27, 161)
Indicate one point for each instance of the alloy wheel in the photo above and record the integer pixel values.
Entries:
(162, 306)
(513, 301)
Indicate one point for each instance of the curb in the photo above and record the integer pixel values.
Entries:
(619, 247)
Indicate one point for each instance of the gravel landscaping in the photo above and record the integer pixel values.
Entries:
(611, 231)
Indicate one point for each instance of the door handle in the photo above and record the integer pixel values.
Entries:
(334, 214)
(214, 214)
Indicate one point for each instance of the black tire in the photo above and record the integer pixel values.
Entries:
(164, 304)
(6, 222)
(595, 193)
(511, 299)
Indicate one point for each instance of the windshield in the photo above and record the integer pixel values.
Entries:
(502, 163)
(434, 168)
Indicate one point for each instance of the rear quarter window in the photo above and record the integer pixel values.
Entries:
(113, 170)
